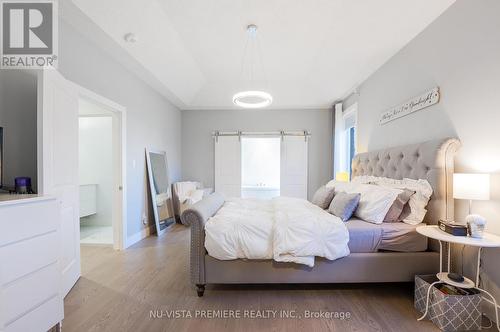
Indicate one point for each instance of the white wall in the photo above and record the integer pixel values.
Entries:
(95, 164)
(460, 53)
(198, 145)
(152, 121)
(18, 105)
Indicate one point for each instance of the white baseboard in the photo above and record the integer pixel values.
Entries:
(134, 238)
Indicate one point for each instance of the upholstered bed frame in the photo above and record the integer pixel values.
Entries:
(432, 160)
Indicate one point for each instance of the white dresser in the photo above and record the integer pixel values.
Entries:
(30, 276)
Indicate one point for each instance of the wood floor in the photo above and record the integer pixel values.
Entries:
(118, 291)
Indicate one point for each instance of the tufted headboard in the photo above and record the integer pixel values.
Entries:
(431, 160)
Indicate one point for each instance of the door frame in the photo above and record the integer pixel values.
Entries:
(119, 115)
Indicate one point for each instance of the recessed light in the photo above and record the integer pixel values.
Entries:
(130, 37)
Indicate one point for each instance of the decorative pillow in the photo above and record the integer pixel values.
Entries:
(396, 209)
(340, 185)
(366, 179)
(323, 197)
(331, 183)
(375, 200)
(415, 211)
(418, 202)
(343, 205)
(194, 196)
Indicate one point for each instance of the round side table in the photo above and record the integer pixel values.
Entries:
(488, 241)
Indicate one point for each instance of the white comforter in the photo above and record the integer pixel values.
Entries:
(284, 229)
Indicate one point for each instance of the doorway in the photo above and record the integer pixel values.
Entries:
(95, 159)
(58, 102)
(260, 167)
(100, 158)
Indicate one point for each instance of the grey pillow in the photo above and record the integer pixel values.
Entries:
(323, 196)
(396, 209)
(343, 205)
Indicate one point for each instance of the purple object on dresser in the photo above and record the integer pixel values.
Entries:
(23, 185)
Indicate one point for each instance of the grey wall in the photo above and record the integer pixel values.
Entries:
(460, 53)
(18, 106)
(198, 145)
(152, 121)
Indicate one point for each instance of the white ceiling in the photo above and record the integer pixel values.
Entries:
(313, 52)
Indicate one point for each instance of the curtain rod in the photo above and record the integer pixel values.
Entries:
(303, 133)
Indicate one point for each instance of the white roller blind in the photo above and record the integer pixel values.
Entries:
(294, 167)
(228, 166)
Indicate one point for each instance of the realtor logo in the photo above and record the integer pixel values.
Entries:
(29, 34)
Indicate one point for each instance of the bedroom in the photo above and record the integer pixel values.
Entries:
(335, 72)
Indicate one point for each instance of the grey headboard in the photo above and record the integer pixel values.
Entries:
(432, 161)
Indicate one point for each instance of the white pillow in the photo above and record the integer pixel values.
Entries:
(335, 184)
(195, 196)
(375, 200)
(366, 179)
(331, 183)
(418, 201)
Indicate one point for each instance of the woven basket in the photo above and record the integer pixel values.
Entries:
(448, 312)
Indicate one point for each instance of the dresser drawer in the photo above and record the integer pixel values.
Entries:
(25, 220)
(27, 293)
(21, 258)
(42, 318)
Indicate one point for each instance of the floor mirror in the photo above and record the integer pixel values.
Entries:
(161, 196)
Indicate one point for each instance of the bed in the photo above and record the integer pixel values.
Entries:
(398, 237)
(369, 262)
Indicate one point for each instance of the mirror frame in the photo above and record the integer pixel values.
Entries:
(152, 189)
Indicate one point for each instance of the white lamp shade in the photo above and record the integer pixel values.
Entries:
(471, 186)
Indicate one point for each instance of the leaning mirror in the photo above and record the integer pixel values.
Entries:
(161, 198)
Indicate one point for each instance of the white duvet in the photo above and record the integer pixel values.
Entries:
(284, 229)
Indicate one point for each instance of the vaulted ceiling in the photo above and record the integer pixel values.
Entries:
(313, 51)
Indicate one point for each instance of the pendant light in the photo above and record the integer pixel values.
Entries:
(254, 98)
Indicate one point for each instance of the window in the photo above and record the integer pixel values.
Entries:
(260, 167)
(351, 147)
(345, 140)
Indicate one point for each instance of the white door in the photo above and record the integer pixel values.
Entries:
(58, 164)
(294, 167)
(228, 166)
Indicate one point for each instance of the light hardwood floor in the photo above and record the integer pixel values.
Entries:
(118, 290)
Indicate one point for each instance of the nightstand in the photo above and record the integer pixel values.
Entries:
(488, 241)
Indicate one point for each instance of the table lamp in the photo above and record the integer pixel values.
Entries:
(342, 176)
(472, 187)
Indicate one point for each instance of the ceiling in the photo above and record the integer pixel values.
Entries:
(313, 51)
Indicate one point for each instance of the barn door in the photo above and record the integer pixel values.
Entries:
(228, 166)
(294, 166)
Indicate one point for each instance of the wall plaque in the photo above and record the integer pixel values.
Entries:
(415, 104)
